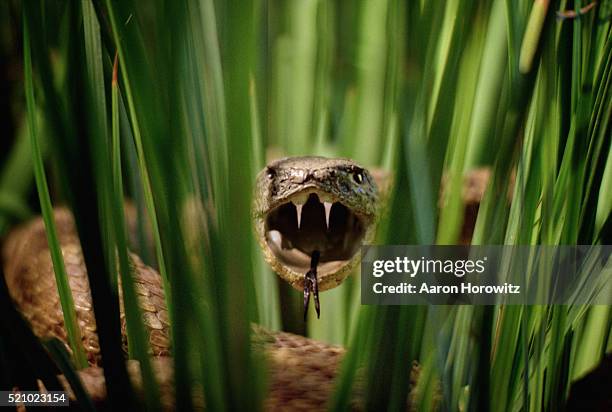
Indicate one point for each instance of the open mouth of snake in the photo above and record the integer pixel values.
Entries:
(313, 220)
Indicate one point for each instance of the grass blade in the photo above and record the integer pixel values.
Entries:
(138, 341)
(61, 277)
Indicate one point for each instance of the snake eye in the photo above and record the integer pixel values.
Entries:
(270, 173)
(358, 177)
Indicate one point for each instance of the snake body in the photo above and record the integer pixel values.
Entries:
(338, 201)
(301, 370)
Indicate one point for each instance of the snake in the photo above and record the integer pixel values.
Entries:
(300, 204)
(311, 216)
(302, 207)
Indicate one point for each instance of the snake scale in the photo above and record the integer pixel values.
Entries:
(301, 205)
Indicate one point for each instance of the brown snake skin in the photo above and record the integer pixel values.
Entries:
(301, 370)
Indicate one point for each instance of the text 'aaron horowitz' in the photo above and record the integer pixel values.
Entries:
(458, 268)
(396, 275)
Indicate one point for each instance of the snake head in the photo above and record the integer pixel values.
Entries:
(307, 204)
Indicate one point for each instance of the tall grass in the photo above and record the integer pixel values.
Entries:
(423, 89)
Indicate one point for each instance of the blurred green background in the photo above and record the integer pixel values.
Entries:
(206, 90)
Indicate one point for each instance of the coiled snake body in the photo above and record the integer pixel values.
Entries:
(300, 205)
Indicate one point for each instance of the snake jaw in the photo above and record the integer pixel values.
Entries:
(302, 205)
